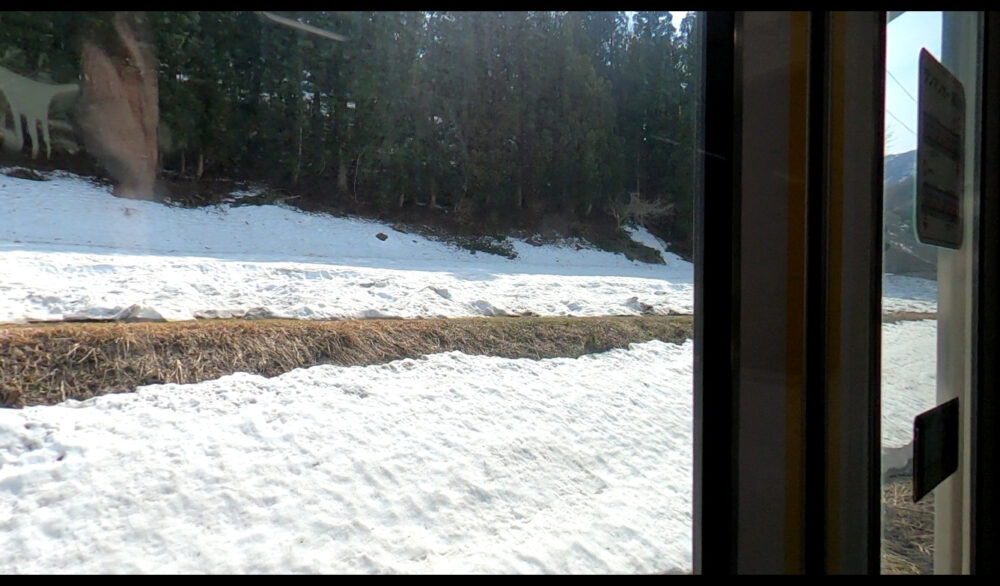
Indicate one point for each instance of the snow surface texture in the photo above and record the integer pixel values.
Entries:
(71, 250)
(450, 463)
(903, 293)
(909, 387)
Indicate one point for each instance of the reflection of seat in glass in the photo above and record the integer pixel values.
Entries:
(32, 99)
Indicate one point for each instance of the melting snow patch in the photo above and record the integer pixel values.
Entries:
(643, 236)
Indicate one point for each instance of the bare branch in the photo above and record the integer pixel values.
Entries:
(302, 26)
(640, 211)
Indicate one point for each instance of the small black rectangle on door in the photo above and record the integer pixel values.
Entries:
(935, 447)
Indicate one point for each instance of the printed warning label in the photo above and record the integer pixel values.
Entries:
(940, 155)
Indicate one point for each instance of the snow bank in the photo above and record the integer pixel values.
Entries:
(73, 285)
(70, 250)
(450, 463)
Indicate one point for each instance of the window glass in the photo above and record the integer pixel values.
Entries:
(928, 295)
(352, 292)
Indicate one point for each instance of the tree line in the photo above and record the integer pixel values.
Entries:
(484, 115)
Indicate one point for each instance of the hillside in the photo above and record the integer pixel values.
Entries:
(903, 253)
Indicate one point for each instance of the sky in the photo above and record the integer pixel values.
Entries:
(905, 36)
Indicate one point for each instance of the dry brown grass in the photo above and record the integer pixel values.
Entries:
(895, 316)
(44, 364)
(908, 537)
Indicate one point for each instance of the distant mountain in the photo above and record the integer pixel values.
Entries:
(903, 254)
(900, 166)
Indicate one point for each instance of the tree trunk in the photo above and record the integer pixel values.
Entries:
(519, 195)
(201, 165)
(318, 146)
(341, 171)
(299, 113)
(402, 198)
(357, 171)
(434, 194)
(638, 170)
(183, 165)
(298, 154)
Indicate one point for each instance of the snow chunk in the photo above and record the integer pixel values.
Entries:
(136, 313)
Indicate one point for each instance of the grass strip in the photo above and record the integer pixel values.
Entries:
(45, 364)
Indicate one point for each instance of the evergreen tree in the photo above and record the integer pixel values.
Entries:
(500, 116)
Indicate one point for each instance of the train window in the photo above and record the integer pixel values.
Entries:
(347, 292)
(928, 301)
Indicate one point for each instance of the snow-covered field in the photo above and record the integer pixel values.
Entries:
(70, 250)
(449, 463)
(903, 293)
(909, 360)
